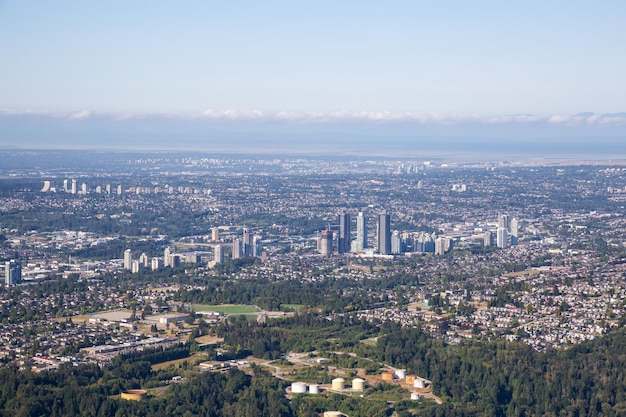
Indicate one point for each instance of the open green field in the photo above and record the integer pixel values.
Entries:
(227, 308)
(177, 363)
(530, 271)
(294, 307)
(372, 341)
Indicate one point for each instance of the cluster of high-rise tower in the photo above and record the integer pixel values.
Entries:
(346, 244)
(250, 245)
(169, 259)
(506, 234)
(338, 238)
(388, 242)
(72, 187)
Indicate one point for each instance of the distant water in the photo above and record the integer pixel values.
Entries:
(385, 140)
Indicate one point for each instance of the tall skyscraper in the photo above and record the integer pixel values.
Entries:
(156, 264)
(83, 188)
(144, 260)
(488, 238)
(215, 234)
(384, 234)
(218, 254)
(326, 243)
(343, 243)
(128, 259)
(167, 255)
(65, 187)
(424, 242)
(12, 272)
(361, 232)
(247, 242)
(236, 248)
(256, 246)
(73, 191)
(503, 221)
(443, 245)
(47, 185)
(501, 237)
(396, 243)
(514, 231)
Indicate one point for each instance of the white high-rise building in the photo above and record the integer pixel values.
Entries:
(12, 272)
(144, 260)
(361, 232)
(46, 186)
(325, 243)
(156, 264)
(256, 246)
(128, 259)
(167, 257)
(396, 243)
(73, 187)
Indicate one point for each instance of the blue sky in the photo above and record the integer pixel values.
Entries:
(427, 62)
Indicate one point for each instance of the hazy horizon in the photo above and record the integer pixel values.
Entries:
(513, 136)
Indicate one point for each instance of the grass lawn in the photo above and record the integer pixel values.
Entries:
(520, 273)
(294, 307)
(177, 363)
(371, 341)
(227, 308)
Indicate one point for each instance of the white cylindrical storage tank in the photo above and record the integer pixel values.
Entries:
(338, 384)
(298, 388)
(358, 384)
(314, 389)
(401, 373)
(419, 383)
(415, 396)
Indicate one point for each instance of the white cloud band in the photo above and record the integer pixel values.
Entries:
(341, 116)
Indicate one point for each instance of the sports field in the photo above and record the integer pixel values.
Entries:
(227, 308)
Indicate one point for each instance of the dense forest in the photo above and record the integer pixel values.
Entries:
(90, 391)
(511, 379)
